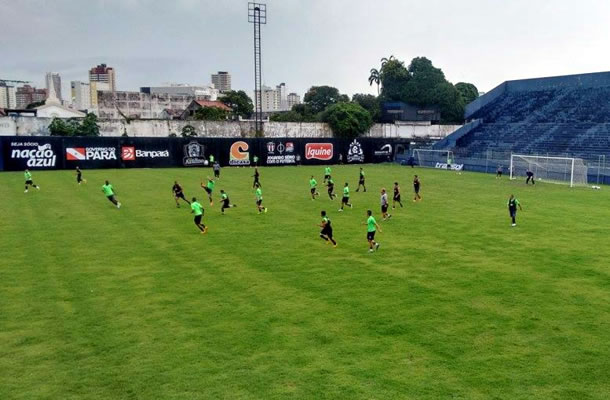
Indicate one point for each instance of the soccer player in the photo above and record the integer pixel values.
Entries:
(79, 176)
(28, 180)
(530, 177)
(256, 176)
(259, 199)
(345, 199)
(197, 209)
(330, 184)
(313, 188)
(499, 172)
(255, 159)
(108, 190)
(371, 229)
(326, 174)
(416, 186)
(396, 198)
(178, 193)
(361, 180)
(327, 230)
(216, 168)
(384, 205)
(513, 203)
(226, 203)
(209, 188)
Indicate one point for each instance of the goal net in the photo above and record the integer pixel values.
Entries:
(433, 158)
(571, 171)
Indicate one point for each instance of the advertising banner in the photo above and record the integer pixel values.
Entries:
(280, 152)
(20, 153)
(91, 152)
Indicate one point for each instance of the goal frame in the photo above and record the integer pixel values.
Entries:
(571, 160)
(448, 153)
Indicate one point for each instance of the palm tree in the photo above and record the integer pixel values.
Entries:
(375, 77)
(384, 60)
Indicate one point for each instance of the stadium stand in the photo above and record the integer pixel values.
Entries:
(565, 116)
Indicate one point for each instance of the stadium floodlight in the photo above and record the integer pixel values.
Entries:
(257, 15)
(433, 158)
(564, 170)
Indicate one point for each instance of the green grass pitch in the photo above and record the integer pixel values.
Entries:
(100, 303)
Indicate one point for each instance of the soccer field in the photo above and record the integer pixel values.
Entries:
(101, 303)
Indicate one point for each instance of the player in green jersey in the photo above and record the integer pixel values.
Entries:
(361, 180)
(28, 181)
(313, 188)
(197, 209)
(209, 188)
(330, 184)
(371, 229)
(327, 229)
(326, 174)
(110, 194)
(513, 203)
(226, 203)
(345, 198)
(259, 199)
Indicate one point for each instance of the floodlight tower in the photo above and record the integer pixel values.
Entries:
(257, 15)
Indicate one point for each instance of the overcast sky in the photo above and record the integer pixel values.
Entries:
(305, 42)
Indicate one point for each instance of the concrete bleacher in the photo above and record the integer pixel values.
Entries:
(557, 116)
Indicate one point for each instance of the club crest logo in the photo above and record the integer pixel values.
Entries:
(355, 153)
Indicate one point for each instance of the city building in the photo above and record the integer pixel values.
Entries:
(293, 99)
(53, 84)
(222, 81)
(138, 105)
(274, 99)
(53, 109)
(101, 78)
(80, 93)
(27, 95)
(198, 92)
(8, 96)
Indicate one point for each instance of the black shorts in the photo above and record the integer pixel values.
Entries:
(216, 173)
(198, 219)
(499, 173)
(111, 198)
(326, 177)
(327, 232)
(397, 198)
(225, 203)
(384, 208)
(361, 182)
(416, 188)
(345, 200)
(313, 190)
(331, 189)
(512, 212)
(179, 195)
(259, 202)
(208, 190)
(29, 182)
(370, 235)
(79, 179)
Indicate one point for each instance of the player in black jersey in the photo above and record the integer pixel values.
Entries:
(327, 230)
(416, 186)
(330, 184)
(178, 193)
(79, 176)
(396, 198)
(530, 177)
(226, 203)
(256, 176)
(499, 172)
(361, 180)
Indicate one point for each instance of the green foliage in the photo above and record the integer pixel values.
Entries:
(347, 120)
(468, 91)
(375, 77)
(35, 104)
(318, 98)
(369, 103)
(188, 131)
(211, 114)
(75, 126)
(240, 103)
(393, 76)
(288, 116)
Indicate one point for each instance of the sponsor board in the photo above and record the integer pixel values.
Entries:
(239, 154)
(90, 153)
(34, 154)
(384, 151)
(319, 151)
(280, 153)
(194, 154)
(454, 167)
(130, 153)
(355, 153)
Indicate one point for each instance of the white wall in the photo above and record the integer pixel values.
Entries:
(30, 126)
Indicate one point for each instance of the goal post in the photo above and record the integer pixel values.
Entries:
(565, 170)
(432, 158)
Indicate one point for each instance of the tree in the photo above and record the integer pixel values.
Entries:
(60, 127)
(450, 102)
(239, 102)
(211, 114)
(421, 88)
(375, 77)
(347, 120)
(370, 103)
(394, 77)
(75, 127)
(468, 91)
(89, 126)
(288, 116)
(320, 97)
(188, 131)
